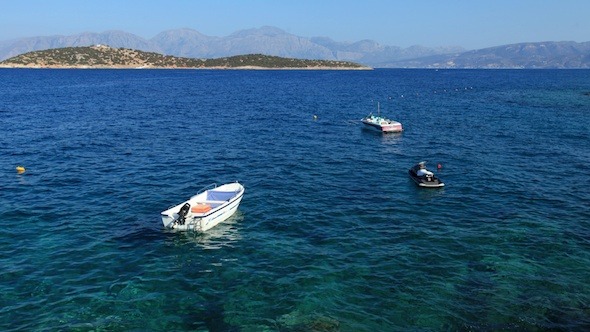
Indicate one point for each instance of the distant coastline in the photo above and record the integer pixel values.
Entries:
(2, 66)
(105, 57)
(190, 43)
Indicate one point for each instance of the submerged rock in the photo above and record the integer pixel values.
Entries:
(296, 321)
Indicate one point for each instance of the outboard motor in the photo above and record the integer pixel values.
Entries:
(182, 213)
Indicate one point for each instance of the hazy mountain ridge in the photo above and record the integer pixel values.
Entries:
(113, 38)
(276, 42)
(554, 55)
(191, 43)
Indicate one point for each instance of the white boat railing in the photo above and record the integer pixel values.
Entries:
(205, 188)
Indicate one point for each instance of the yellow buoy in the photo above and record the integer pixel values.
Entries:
(20, 169)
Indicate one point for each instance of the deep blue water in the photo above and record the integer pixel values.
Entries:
(331, 235)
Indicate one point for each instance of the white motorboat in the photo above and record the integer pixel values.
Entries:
(381, 124)
(210, 206)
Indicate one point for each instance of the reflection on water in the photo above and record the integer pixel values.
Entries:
(426, 193)
(391, 138)
(390, 141)
(226, 234)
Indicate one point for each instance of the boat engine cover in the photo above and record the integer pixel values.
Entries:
(182, 213)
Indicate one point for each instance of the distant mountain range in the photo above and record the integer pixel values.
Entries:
(558, 55)
(276, 42)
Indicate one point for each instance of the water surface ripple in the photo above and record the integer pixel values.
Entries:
(331, 235)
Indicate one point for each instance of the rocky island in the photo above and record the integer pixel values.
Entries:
(102, 56)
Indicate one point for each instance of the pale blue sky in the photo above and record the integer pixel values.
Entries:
(469, 23)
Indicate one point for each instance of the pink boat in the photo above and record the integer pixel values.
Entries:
(381, 124)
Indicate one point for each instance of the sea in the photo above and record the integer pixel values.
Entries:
(331, 235)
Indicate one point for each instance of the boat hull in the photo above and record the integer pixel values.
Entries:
(424, 182)
(201, 220)
(393, 127)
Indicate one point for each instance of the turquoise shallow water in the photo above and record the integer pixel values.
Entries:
(331, 235)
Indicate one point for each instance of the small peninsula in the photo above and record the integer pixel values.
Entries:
(102, 56)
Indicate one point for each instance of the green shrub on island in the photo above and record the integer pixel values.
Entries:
(106, 57)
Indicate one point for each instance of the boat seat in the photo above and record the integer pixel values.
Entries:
(200, 208)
